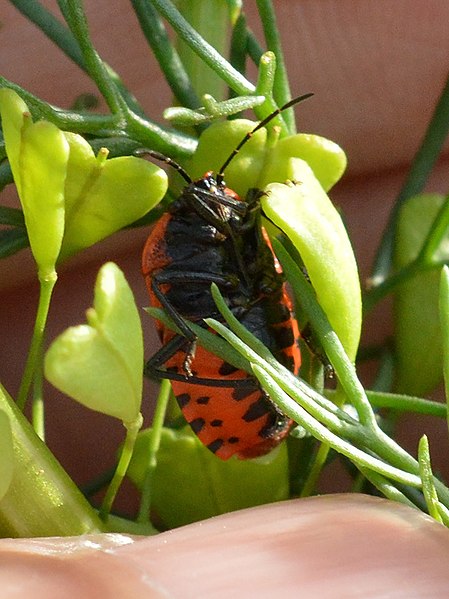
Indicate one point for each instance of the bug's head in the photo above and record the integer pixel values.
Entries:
(216, 198)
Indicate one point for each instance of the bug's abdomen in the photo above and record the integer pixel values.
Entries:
(240, 420)
(229, 421)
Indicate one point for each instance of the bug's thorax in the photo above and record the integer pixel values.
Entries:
(213, 202)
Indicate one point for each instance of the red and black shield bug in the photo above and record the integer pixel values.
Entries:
(209, 235)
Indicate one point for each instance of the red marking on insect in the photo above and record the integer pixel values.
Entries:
(211, 235)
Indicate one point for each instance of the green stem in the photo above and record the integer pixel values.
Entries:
(143, 132)
(165, 53)
(153, 447)
(204, 50)
(76, 19)
(420, 169)
(238, 50)
(42, 500)
(388, 285)
(314, 474)
(45, 292)
(329, 341)
(38, 409)
(403, 403)
(385, 487)
(64, 119)
(322, 433)
(437, 233)
(281, 87)
(125, 457)
(254, 49)
(210, 20)
(52, 28)
(425, 470)
(64, 39)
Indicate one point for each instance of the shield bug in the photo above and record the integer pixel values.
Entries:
(209, 235)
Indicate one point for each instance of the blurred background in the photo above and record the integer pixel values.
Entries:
(376, 70)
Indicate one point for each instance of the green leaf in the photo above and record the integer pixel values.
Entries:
(192, 484)
(38, 155)
(15, 117)
(259, 162)
(305, 214)
(103, 196)
(418, 344)
(326, 159)
(43, 166)
(99, 364)
(215, 145)
(6, 453)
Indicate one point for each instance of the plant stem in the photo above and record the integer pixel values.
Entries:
(281, 88)
(425, 469)
(210, 20)
(420, 169)
(165, 53)
(204, 50)
(46, 286)
(385, 487)
(125, 457)
(329, 341)
(76, 19)
(38, 410)
(153, 447)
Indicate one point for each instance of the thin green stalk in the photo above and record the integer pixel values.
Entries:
(315, 471)
(393, 281)
(281, 87)
(52, 28)
(386, 487)
(420, 170)
(153, 448)
(321, 433)
(436, 234)
(238, 49)
(46, 286)
(210, 20)
(403, 403)
(38, 408)
(64, 39)
(253, 47)
(142, 132)
(425, 470)
(132, 429)
(76, 19)
(165, 53)
(64, 119)
(329, 341)
(204, 50)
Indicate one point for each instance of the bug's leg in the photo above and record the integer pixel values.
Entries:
(154, 369)
(171, 277)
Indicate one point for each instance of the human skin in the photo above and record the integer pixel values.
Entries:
(327, 547)
(376, 69)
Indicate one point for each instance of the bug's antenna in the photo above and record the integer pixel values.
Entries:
(265, 121)
(166, 159)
